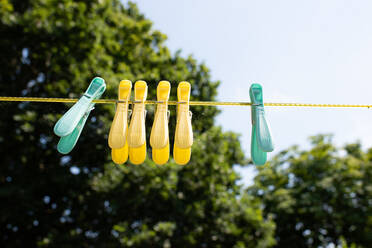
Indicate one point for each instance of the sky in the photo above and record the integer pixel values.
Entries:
(299, 51)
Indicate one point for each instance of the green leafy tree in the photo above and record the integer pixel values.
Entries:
(319, 197)
(54, 48)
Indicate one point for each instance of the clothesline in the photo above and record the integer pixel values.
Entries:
(194, 103)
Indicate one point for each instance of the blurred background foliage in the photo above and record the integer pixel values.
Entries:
(318, 197)
(53, 49)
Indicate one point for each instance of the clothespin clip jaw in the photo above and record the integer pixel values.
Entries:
(70, 125)
(261, 141)
(137, 129)
(183, 136)
(119, 128)
(159, 138)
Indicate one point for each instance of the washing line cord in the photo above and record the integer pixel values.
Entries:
(193, 103)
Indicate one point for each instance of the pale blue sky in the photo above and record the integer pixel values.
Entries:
(317, 51)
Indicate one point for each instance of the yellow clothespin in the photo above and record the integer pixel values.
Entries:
(183, 137)
(137, 129)
(118, 132)
(159, 139)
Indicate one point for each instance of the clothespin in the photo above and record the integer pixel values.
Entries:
(137, 129)
(159, 138)
(72, 122)
(261, 141)
(183, 137)
(118, 132)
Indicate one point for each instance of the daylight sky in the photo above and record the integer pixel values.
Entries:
(317, 51)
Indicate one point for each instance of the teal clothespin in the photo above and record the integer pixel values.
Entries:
(72, 122)
(261, 141)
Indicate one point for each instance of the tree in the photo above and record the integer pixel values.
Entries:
(53, 49)
(318, 197)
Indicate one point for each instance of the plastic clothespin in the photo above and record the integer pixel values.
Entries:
(137, 129)
(183, 137)
(159, 138)
(72, 122)
(119, 128)
(261, 141)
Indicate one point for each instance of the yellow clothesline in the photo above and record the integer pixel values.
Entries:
(194, 103)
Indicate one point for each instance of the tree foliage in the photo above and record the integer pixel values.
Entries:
(319, 197)
(53, 49)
